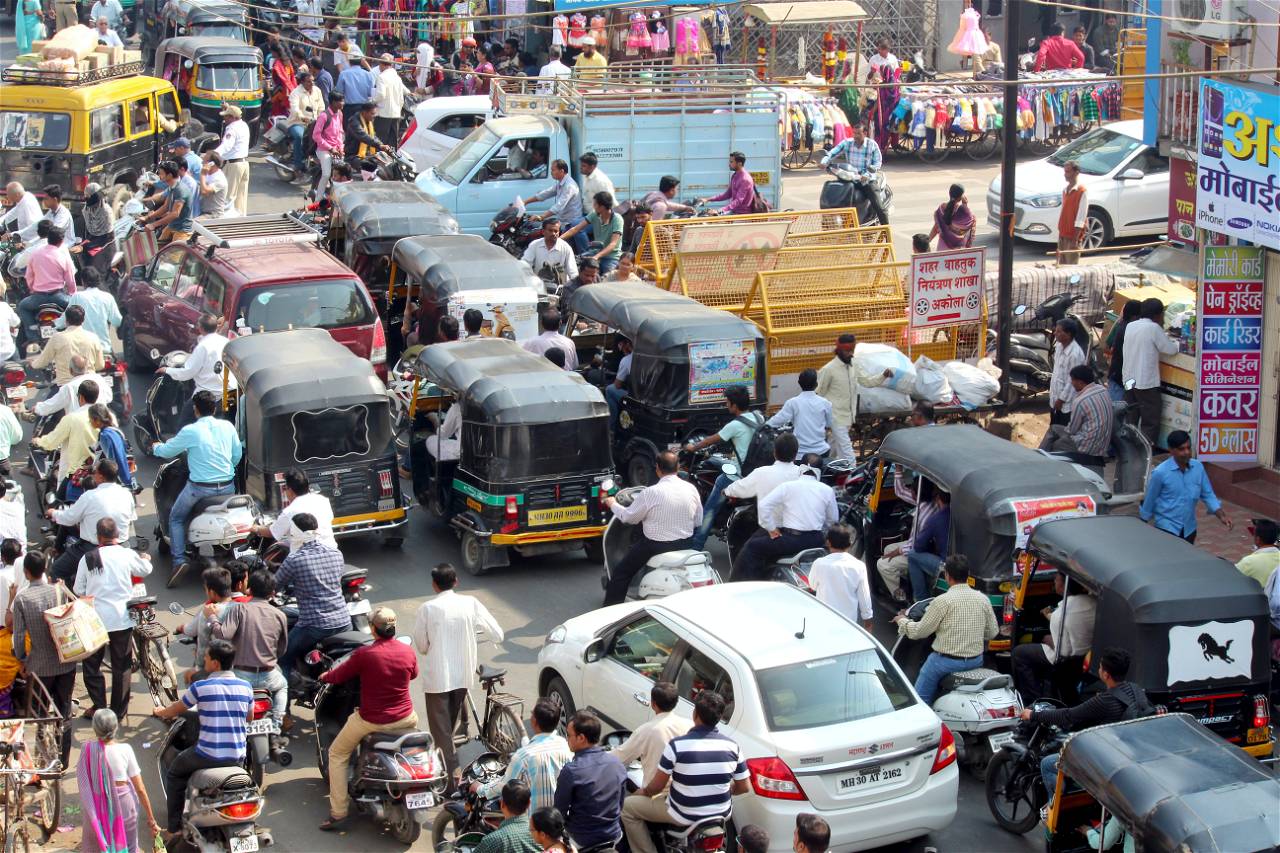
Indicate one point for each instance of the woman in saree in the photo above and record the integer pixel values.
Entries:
(110, 790)
(953, 223)
(28, 19)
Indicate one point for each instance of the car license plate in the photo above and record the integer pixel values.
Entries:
(873, 777)
(999, 739)
(46, 331)
(557, 515)
(244, 843)
(265, 726)
(420, 800)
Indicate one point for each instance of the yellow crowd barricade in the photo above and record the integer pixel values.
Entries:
(661, 239)
(840, 237)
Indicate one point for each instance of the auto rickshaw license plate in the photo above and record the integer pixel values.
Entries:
(557, 515)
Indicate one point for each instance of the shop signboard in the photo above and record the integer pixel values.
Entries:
(1237, 188)
(1182, 201)
(946, 287)
(1229, 368)
(1029, 512)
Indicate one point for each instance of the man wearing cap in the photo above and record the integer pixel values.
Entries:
(1265, 559)
(590, 64)
(357, 85)
(385, 668)
(838, 383)
(234, 151)
(181, 150)
(389, 99)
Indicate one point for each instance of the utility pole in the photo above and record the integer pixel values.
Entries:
(1004, 291)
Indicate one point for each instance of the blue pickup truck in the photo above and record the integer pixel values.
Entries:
(674, 126)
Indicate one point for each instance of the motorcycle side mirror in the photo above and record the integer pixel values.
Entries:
(314, 657)
(154, 354)
(1074, 278)
(1019, 311)
(50, 499)
(175, 608)
(729, 470)
(1130, 384)
(593, 651)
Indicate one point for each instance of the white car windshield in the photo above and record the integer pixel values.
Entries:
(459, 162)
(1098, 152)
(831, 690)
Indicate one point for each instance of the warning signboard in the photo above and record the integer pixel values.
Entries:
(946, 287)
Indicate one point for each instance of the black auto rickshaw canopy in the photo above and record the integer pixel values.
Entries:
(305, 397)
(188, 13)
(522, 416)
(984, 474)
(210, 50)
(376, 214)
(452, 263)
(1176, 786)
(684, 353)
(1168, 602)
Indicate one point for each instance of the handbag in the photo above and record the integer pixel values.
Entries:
(76, 628)
(758, 204)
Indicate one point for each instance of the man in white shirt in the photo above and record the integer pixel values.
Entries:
(551, 337)
(1066, 355)
(1144, 342)
(594, 180)
(13, 579)
(297, 491)
(840, 579)
(389, 96)
(309, 15)
(668, 513)
(234, 151)
(792, 519)
(13, 521)
(1070, 636)
(426, 55)
(109, 9)
(552, 70)
(107, 499)
(9, 323)
(647, 744)
(57, 214)
(755, 486)
(203, 368)
(347, 53)
(444, 633)
(106, 35)
(838, 383)
(23, 209)
(67, 399)
(106, 575)
(551, 258)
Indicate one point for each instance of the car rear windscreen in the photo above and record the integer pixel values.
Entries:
(831, 690)
(305, 305)
(34, 131)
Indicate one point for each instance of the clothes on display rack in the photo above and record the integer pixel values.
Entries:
(598, 32)
(638, 38)
(577, 29)
(809, 122)
(721, 34)
(969, 40)
(687, 32)
(560, 31)
(658, 33)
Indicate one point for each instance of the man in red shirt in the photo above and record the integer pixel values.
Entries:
(385, 667)
(1058, 52)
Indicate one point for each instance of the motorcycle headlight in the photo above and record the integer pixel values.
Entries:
(1045, 201)
(556, 635)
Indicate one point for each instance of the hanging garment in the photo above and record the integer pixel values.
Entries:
(638, 38)
(686, 37)
(598, 31)
(577, 29)
(969, 40)
(661, 39)
(560, 31)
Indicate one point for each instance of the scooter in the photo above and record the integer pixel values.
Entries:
(849, 189)
(979, 705)
(219, 527)
(159, 418)
(393, 777)
(664, 574)
(222, 804)
(1030, 353)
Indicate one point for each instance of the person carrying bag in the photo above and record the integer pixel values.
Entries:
(76, 627)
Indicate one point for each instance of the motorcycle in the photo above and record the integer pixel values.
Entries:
(279, 148)
(849, 189)
(395, 166)
(978, 705)
(394, 777)
(159, 418)
(1013, 780)
(467, 817)
(919, 72)
(792, 569)
(222, 804)
(664, 574)
(513, 230)
(46, 320)
(1031, 352)
(219, 527)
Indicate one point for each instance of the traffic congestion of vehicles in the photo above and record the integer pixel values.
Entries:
(836, 609)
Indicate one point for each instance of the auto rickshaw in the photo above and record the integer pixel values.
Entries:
(1165, 782)
(193, 18)
(368, 220)
(210, 72)
(1197, 629)
(532, 453)
(684, 357)
(999, 492)
(305, 401)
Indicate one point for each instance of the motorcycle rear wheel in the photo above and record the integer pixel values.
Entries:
(1005, 778)
(284, 173)
(446, 828)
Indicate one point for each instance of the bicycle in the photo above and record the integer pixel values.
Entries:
(500, 727)
(25, 789)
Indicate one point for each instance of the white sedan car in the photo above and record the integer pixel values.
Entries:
(439, 124)
(1127, 184)
(826, 721)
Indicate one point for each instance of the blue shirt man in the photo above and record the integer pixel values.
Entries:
(101, 313)
(591, 787)
(1175, 487)
(213, 451)
(356, 84)
(810, 416)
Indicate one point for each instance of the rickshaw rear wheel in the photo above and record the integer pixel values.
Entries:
(473, 554)
(594, 549)
(641, 469)
(1005, 811)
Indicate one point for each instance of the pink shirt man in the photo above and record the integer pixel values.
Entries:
(50, 270)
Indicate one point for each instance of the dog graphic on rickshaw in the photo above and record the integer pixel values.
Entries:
(1209, 646)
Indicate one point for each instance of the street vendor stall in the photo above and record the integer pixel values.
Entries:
(785, 38)
(1177, 371)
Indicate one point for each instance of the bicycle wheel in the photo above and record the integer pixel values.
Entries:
(503, 731)
(933, 155)
(17, 839)
(161, 675)
(794, 158)
(45, 806)
(983, 146)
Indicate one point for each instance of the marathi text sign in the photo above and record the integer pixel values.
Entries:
(946, 287)
(1237, 192)
(1030, 512)
(1229, 387)
(1182, 200)
(716, 365)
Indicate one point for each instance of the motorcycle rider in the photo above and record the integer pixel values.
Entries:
(757, 485)
(705, 770)
(101, 312)
(107, 499)
(63, 346)
(551, 258)
(297, 491)
(385, 668)
(567, 206)
(65, 399)
(669, 512)
(741, 191)
(648, 742)
(361, 138)
(260, 632)
(55, 213)
(73, 438)
(316, 571)
(213, 451)
(591, 788)
(306, 102)
(538, 762)
(51, 278)
(861, 156)
(224, 704)
(811, 417)
(512, 835)
(737, 432)
(961, 621)
(792, 518)
(203, 367)
(23, 210)
(660, 201)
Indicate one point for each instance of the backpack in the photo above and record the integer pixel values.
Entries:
(758, 204)
(760, 447)
(1136, 704)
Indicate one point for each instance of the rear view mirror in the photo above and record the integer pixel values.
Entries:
(175, 608)
(729, 470)
(1131, 175)
(1019, 311)
(154, 354)
(594, 651)
(140, 271)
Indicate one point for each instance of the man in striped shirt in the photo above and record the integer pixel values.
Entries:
(224, 704)
(705, 769)
(1088, 433)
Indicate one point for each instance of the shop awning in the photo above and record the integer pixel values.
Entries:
(778, 14)
(1171, 261)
